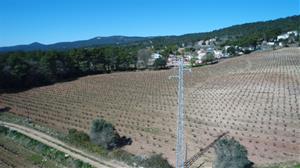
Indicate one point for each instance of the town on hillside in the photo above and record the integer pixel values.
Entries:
(212, 50)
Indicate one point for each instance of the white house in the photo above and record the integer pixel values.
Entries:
(155, 55)
(267, 45)
(212, 40)
(283, 36)
(226, 47)
(152, 59)
(281, 44)
(218, 54)
(287, 35)
(293, 32)
(200, 54)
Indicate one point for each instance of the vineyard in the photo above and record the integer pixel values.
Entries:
(255, 97)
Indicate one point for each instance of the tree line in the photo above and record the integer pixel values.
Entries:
(22, 70)
(19, 70)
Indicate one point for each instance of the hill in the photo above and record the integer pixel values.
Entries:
(243, 34)
(97, 41)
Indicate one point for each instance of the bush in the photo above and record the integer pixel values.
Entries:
(123, 156)
(36, 159)
(230, 153)
(156, 161)
(231, 51)
(160, 63)
(3, 130)
(247, 52)
(77, 137)
(82, 140)
(104, 134)
(80, 164)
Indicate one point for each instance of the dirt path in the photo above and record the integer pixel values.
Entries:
(61, 146)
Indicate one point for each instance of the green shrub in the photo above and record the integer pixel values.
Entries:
(80, 164)
(36, 159)
(156, 161)
(123, 156)
(231, 51)
(231, 154)
(77, 137)
(3, 130)
(104, 134)
(83, 141)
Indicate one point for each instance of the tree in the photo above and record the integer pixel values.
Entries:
(104, 134)
(16, 71)
(143, 55)
(209, 57)
(168, 50)
(231, 50)
(160, 63)
(231, 154)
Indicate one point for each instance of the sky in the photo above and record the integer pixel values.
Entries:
(50, 21)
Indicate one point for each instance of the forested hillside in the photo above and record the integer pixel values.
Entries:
(27, 69)
(243, 35)
(63, 46)
(19, 69)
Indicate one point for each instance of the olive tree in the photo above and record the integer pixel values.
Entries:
(104, 134)
(231, 154)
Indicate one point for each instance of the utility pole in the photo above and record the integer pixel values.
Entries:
(180, 119)
(180, 149)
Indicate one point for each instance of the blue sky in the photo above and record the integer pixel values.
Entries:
(50, 21)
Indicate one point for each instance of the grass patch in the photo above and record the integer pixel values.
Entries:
(152, 130)
(282, 165)
(36, 159)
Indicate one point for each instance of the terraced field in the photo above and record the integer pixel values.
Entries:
(255, 98)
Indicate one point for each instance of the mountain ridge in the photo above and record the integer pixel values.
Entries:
(96, 41)
(238, 31)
